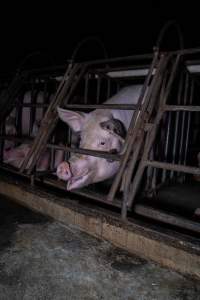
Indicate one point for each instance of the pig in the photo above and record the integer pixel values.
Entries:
(15, 156)
(102, 130)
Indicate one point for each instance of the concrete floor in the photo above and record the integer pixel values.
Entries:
(41, 259)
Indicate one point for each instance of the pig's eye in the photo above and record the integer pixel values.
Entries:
(102, 143)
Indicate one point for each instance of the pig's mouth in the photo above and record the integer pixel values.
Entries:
(78, 181)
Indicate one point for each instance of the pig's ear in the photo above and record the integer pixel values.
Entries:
(74, 119)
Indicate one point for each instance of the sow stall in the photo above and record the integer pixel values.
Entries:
(162, 142)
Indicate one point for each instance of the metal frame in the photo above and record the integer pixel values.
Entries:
(154, 102)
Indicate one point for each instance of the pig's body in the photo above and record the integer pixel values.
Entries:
(16, 156)
(128, 95)
(102, 130)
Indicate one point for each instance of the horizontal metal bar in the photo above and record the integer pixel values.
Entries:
(187, 51)
(31, 104)
(121, 59)
(101, 154)
(102, 106)
(195, 108)
(167, 218)
(173, 167)
(82, 192)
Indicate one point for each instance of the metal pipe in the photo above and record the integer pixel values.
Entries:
(86, 88)
(132, 132)
(192, 108)
(102, 106)
(98, 89)
(95, 153)
(153, 132)
(165, 217)
(188, 123)
(173, 167)
(183, 121)
(176, 124)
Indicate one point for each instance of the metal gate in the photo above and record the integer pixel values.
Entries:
(158, 144)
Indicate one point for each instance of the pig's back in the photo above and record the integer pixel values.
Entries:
(127, 95)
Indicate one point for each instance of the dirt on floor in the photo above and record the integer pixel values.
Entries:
(42, 259)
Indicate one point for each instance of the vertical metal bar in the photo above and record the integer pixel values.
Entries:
(98, 89)
(132, 132)
(188, 123)
(177, 121)
(152, 135)
(162, 93)
(86, 88)
(50, 120)
(169, 117)
(52, 154)
(181, 152)
(108, 88)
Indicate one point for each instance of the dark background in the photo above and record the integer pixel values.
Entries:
(54, 29)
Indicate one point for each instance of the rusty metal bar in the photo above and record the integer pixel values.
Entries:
(98, 89)
(172, 167)
(192, 108)
(153, 132)
(51, 117)
(133, 132)
(96, 153)
(164, 217)
(182, 138)
(188, 123)
(177, 120)
(48, 124)
(82, 192)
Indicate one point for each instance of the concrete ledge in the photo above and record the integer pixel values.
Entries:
(170, 249)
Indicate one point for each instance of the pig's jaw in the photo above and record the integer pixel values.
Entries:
(79, 181)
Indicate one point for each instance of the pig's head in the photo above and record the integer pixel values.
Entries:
(98, 130)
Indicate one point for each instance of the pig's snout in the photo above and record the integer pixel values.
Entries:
(63, 171)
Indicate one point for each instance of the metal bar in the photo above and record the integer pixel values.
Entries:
(131, 134)
(82, 192)
(39, 140)
(108, 88)
(102, 106)
(95, 153)
(152, 136)
(183, 121)
(177, 120)
(98, 89)
(86, 88)
(122, 59)
(194, 108)
(173, 167)
(164, 174)
(188, 123)
(187, 51)
(164, 217)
